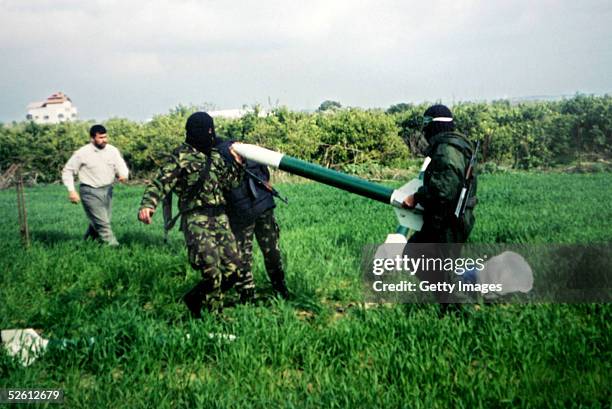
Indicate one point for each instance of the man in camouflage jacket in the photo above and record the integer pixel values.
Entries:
(198, 175)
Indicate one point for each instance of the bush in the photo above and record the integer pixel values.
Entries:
(523, 136)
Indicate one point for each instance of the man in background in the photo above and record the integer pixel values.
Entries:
(97, 165)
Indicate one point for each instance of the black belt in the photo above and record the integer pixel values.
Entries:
(210, 211)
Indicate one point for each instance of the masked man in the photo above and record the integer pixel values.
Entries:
(198, 175)
(444, 178)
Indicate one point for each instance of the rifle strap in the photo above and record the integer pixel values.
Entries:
(167, 212)
(204, 175)
(193, 191)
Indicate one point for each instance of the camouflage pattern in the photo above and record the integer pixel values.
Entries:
(182, 171)
(210, 242)
(266, 231)
(213, 250)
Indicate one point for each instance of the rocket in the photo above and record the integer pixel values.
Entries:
(407, 218)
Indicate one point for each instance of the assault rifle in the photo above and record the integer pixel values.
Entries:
(265, 185)
(468, 185)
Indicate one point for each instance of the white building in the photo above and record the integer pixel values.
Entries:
(55, 109)
(235, 113)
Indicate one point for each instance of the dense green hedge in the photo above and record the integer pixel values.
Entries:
(537, 134)
(521, 136)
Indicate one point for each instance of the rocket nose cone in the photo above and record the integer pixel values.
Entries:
(258, 154)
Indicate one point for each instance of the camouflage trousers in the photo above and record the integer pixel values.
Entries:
(266, 231)
(213, 251)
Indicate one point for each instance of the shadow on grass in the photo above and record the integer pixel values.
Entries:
(304, 296)
(144, 239)
(54, 237)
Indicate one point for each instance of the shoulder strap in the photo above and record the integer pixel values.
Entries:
(204, 174)
(170, 221)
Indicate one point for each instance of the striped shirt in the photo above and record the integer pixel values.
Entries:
(95, 167)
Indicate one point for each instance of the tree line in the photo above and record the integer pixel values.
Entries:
(520, 136)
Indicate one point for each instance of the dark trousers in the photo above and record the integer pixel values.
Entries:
(439, 244)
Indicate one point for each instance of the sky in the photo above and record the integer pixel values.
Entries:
(135, 59)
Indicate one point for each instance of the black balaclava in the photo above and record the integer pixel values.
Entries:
(437, 119)
(200, 132)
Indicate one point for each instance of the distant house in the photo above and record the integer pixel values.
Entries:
(55, 109)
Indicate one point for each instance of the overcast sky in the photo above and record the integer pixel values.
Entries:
(139, 58)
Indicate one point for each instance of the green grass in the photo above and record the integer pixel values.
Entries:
(326, 348)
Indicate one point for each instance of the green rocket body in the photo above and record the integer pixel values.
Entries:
(409, 219)
(336, 179)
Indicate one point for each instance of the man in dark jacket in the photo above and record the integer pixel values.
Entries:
(450, 154)
(444, 178)
(250, 208)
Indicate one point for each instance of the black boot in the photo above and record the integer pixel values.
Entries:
(247, 296)
(281, 289)
(193, 299)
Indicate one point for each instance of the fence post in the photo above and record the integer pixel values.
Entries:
(21, 208)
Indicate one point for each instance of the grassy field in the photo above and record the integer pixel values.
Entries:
(324, 349)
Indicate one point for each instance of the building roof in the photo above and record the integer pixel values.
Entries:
(57, 98)
(235, 113)
(37, 104)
